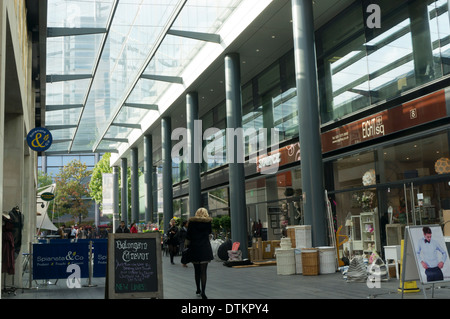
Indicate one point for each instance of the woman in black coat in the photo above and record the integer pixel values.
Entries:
(197, 238)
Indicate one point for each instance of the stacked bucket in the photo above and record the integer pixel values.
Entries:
(297, 256)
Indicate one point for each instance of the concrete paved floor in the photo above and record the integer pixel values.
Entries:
(253, 283)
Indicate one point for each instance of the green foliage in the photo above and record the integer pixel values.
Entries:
(44, 179)
(221, 224)
(72, 190)
(225, 222)
(95, 185)
(215, 224)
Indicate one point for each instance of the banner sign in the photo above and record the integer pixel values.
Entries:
(39, 139)
(100, 257)
(51, 261)
(108, 194)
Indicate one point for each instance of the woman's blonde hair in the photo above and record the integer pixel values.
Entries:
(202, 212)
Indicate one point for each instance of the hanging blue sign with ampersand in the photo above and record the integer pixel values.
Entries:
(39, 139)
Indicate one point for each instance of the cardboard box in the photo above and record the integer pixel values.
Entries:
(268, 251)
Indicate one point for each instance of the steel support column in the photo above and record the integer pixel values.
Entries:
(194, 146)
(148, 180)
(134, 186)
(166, 143)
(238, 209)
(124, 190)
(309, 121)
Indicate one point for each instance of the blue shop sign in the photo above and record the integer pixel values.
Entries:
(39, 139)
(51, 261)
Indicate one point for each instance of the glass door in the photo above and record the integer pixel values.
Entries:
(413, 203)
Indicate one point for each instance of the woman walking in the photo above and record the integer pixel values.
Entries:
(197, 238)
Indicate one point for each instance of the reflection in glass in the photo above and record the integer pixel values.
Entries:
(364, 66)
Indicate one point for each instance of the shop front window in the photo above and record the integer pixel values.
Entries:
(380, 191)
(414, 159)
(275, 203)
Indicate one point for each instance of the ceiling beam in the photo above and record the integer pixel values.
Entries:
(127, 125)
(209, 37)
(143, 106)
(59, 127)
(64, 32)
(116, 139)
(164, 78)
(67, 77)
(58, 107)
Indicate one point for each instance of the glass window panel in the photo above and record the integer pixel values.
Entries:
(72, 54)
(204, 15)
(130, 115)
(67, 92)
(63, 117)
(88, 160)
(415, 158)
(76, 13)
(391, 65)
(349, 170)
(285, 107)
(54, 160)
(342, 65)
(62, 134)
(69, 158)
(440, 34)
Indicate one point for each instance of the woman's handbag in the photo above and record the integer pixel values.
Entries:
(185, 256)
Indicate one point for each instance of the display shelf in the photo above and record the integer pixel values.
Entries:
(369, 232)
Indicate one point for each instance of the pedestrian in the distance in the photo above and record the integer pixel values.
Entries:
(133, 229)
(172, 239)
(197, 239)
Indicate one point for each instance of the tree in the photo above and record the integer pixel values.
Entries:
(72, 185)
(95, 185)
(44, 179)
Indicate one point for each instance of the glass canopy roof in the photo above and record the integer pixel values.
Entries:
(109, 61)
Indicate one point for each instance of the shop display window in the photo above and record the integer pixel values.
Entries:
(404, 183)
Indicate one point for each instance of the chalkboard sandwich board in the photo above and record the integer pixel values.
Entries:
(134, 267)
